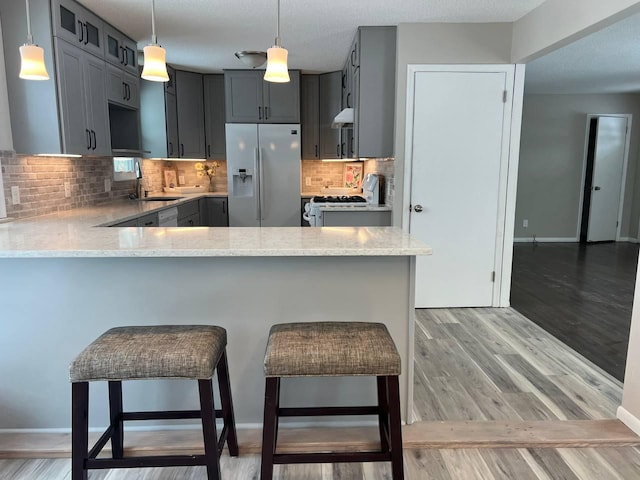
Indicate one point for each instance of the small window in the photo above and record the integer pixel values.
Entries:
(124, 168)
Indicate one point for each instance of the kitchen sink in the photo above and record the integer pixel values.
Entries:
(159, 199)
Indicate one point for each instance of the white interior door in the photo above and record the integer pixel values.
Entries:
(611, 141)
(457, 153)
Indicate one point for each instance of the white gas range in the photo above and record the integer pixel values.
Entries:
(313, 210)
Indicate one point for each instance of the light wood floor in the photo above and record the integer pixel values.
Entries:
(471, 364)
(485, 464)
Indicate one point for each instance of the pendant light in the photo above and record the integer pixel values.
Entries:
(155, 57)
(277, 70)
(32, 65)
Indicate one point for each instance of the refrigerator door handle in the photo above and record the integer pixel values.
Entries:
(262, 204)
(258, 190)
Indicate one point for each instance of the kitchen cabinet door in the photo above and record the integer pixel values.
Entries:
(282, 100)
(122, 87)
(310, 116)
(95, 93)
(120, 50)
(214, 116)
(78, 26)
(243, 93)
(217, 212)
(170, 86)
(190, 98)
(171, 113)
(330, 106)
(76, 136)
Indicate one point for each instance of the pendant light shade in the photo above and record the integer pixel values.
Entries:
(32, 65)
(277, 68)
(155, 57)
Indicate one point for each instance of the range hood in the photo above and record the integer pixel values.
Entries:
(344, 119)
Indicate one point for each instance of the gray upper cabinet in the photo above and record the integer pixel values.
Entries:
(82, 101)
(158, 121)
(122, 87)
(120, 50)
(78, 26)
(330, 106)
(190, 98)
(310, 116)
(170, 86)
(214, 116)
(171, 112)
(372, 63)
(249, 99)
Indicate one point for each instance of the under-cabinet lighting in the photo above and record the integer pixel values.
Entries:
(64, 155)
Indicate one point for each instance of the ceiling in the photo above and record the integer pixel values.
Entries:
(203, 35)
(607, 61)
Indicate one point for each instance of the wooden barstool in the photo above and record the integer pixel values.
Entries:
(333, 349)
(152, 352)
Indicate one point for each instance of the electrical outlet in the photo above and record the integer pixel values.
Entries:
(181, 179)
(67, 189)
(107, 185)
(525, 223)
(15, 195)
(307, 181)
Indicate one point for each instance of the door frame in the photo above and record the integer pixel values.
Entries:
(591, 116)
(508, 181)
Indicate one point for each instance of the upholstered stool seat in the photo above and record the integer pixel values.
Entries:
(328, 349)
(193, 352)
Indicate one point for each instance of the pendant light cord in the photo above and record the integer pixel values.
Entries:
(29, 36)
(278, 26)
(154, 39)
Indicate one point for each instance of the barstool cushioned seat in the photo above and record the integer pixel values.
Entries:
(330, 349)
(147, 352)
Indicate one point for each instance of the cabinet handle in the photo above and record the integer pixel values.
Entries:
(342, 148)
(182, 149)
(191, 223)
(88, 138)
(126, 57)
(170, 148)
(209, 150)
(353, 52)
(353, 150)
(81, 33)
(316, 151)
(148, 224)
(266, 113)
(95, 141)
(124, 91)
(338, 151)
(348, 100)
(224, 206)
(121, 55)
(128, 92)
(86, 34)
(259, 113)
(344, 81)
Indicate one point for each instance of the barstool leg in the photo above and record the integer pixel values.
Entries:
(395, 433)
(269, 427)
(207, 410)
(79, 429)
(115, 412)
(383, 415)
(227, 404)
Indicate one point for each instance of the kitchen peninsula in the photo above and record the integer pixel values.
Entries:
(65, 281)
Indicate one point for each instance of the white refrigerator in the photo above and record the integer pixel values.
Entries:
(263, 173)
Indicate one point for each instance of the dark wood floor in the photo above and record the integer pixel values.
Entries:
(581, 294)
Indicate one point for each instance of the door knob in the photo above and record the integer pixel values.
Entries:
(417, 208)
(596, 188)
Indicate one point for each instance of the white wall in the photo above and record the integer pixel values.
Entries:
(557, 23)
(551, 162)
(436, 43)
(629, 413)
(5, 124)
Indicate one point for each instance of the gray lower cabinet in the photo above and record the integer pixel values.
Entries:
(190, 100)
(310, 116)
(330, 106)
(249, 99)
(189, 214)
(214, 212)
(82, 101)
(129, 223)
(149, 220)
(214, 116)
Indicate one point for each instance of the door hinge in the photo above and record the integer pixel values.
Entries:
(493, 276)
(504, 96)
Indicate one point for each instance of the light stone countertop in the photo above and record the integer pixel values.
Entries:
(76, 233)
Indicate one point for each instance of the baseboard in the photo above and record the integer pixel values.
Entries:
(629, 420)
(628, 239)
(546, 240)
(420, 435)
